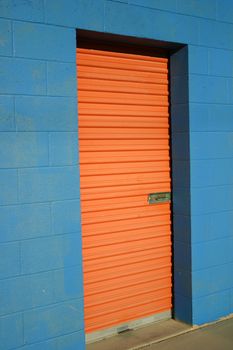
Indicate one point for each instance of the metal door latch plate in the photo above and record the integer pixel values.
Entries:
(159, 197)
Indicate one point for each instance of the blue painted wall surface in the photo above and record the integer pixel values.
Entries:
(41, 293)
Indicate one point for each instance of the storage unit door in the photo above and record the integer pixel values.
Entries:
(123, 114)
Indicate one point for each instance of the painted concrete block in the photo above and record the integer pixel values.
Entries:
(230, 90)
(25, 292)
(66, 216)
(71, 341)
(182, 228)
(220, 62)
(211, 145)
(179, 87)
(212, 253)
(58, 12)
(170, 27)
(10, 264)
(63, 149)
(208, 89)
(211, 117)
(181, 173)
(36, 113)
(62, 79)
(53, 321)
(9, 186)
(51, 253)
(150, 23)
(212, 280)
(199, 117)
(213, 199)
(181, 200)
(205, 9)
(198, 60)
(24, 10)
(215, 34)
(24, 221)
(211, 307)
(129, 17)
(45, 345)
(7, 122)
(11, 331)
(180, 117)
(6, 37)
(212, 226)
(38, 290)
(48, 184)
(169, 5)
(231, 306)
(68, 282)
(179, 62)
(46, 42)
(183, 282)
(211, 172)
(225, 11)
(24, 149)
(182, 255)
(180, 146)
(22, 76)
(183, 308)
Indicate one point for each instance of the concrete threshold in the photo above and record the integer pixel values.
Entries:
(141, 337)
(147, 336)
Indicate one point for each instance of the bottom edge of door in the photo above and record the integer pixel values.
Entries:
(99, 335)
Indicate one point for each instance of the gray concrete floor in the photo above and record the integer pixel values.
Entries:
(218, 336)
(141, 336)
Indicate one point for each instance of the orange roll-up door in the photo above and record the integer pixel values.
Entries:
(123, 113)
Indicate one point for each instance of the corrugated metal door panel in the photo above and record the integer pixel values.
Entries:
(124, 155)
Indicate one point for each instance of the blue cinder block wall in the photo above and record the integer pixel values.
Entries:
(41, 286)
